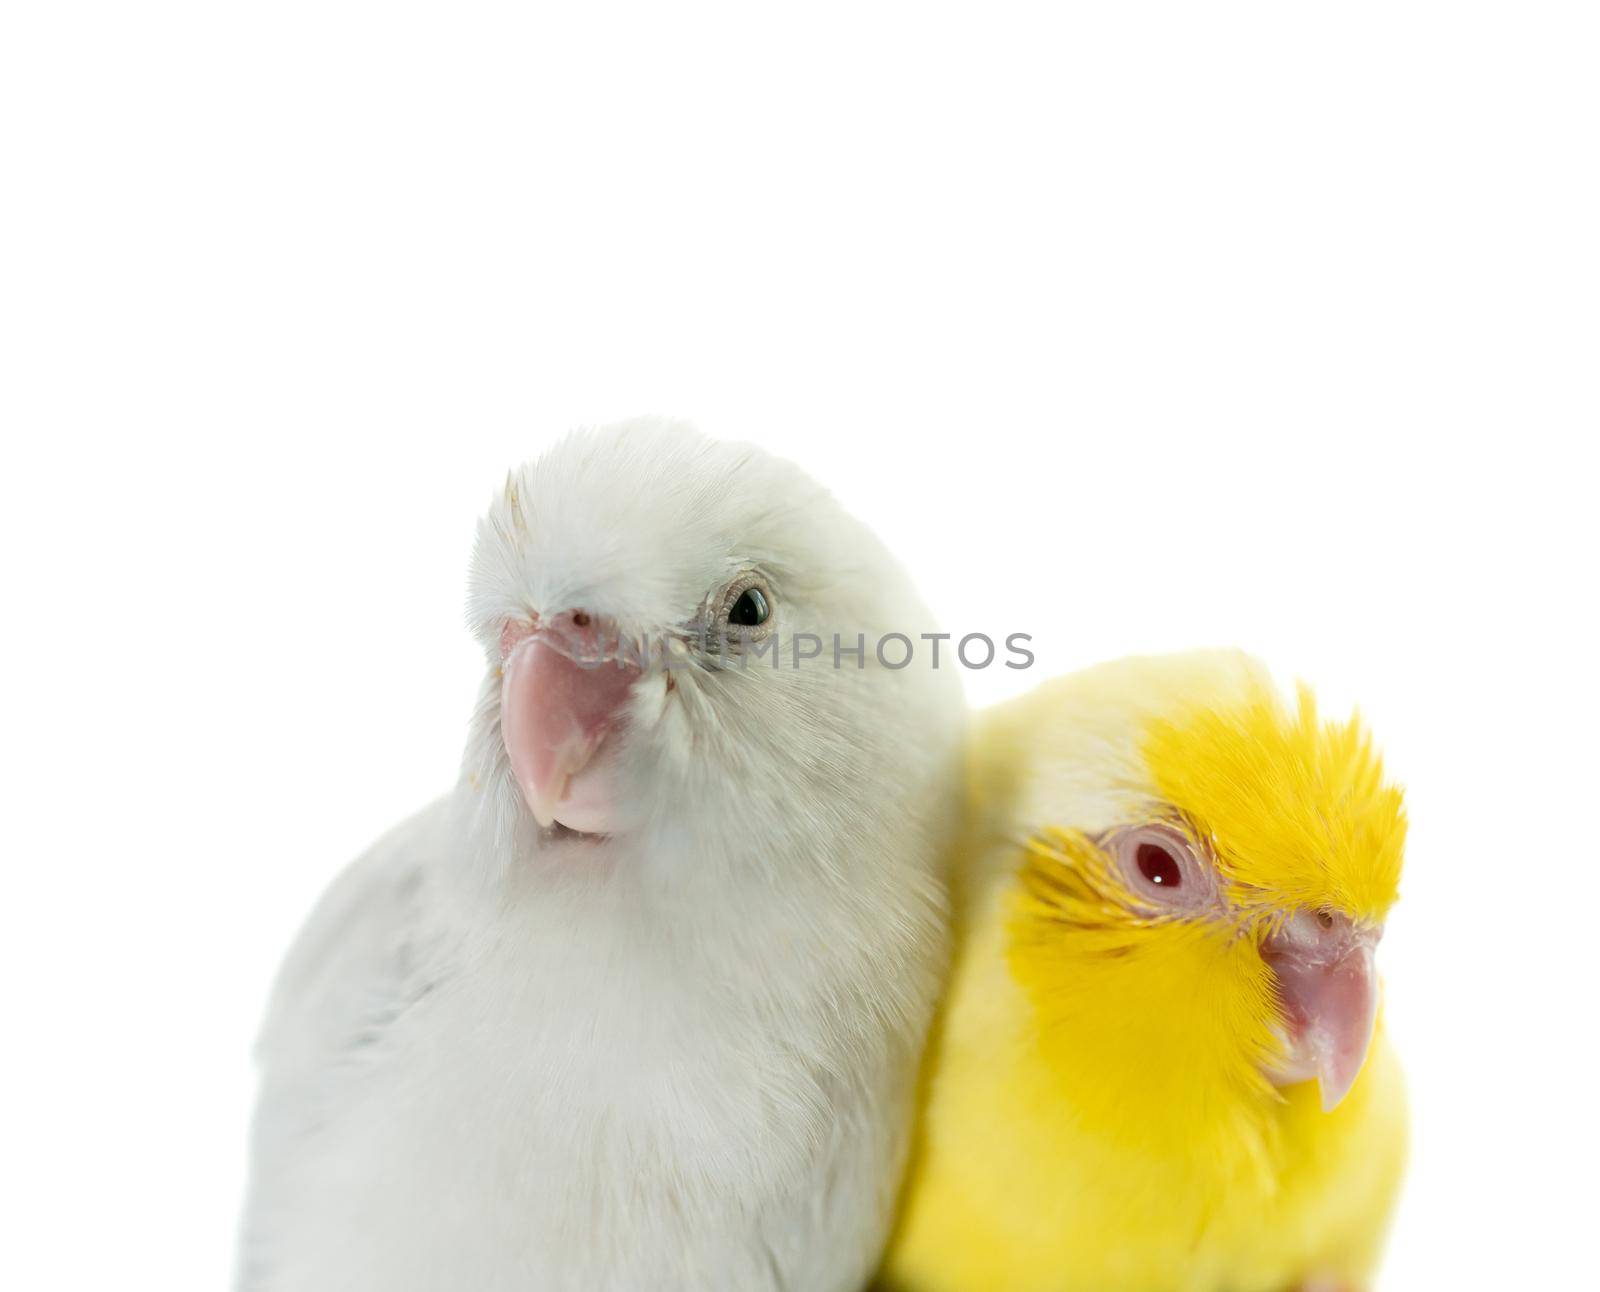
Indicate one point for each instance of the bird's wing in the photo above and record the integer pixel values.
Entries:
(358, 962)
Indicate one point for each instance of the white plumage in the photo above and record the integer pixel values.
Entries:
(679, 1056)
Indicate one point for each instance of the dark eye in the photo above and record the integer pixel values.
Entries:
(750, 610)
(1159, 866)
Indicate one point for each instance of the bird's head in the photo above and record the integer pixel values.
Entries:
(1206, 874)
(658, 612)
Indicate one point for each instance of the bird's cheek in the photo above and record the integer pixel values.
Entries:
(558, 718)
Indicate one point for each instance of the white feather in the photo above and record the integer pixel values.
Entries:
(679, 1058)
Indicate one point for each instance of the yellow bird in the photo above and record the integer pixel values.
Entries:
(1159, 1067)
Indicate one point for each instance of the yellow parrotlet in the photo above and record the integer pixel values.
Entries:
(1159, 1067)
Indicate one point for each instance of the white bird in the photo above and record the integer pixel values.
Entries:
(639, 1004)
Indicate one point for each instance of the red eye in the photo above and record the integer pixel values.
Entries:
(1164, 866)
(1158, 865)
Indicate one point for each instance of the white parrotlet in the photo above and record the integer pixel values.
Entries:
(639, 1004)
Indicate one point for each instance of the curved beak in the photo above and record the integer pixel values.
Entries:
(1328, 994)
(562, 693)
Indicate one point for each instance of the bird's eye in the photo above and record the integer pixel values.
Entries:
(1163, 866)
(1158, 865)
(749, 610)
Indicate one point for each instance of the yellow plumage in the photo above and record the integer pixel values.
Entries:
(1098, 1115)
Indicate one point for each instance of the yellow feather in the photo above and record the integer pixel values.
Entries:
(1095, 1116)
(1297, 810)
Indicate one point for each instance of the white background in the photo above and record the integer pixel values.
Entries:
(1132, 326)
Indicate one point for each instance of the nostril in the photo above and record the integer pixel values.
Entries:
(1325, 919)
(580, 619)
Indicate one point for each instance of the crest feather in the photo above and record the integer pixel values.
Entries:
(1297, 809)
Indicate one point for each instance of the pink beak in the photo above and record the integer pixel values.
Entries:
(563, 692)
(1328, 994)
